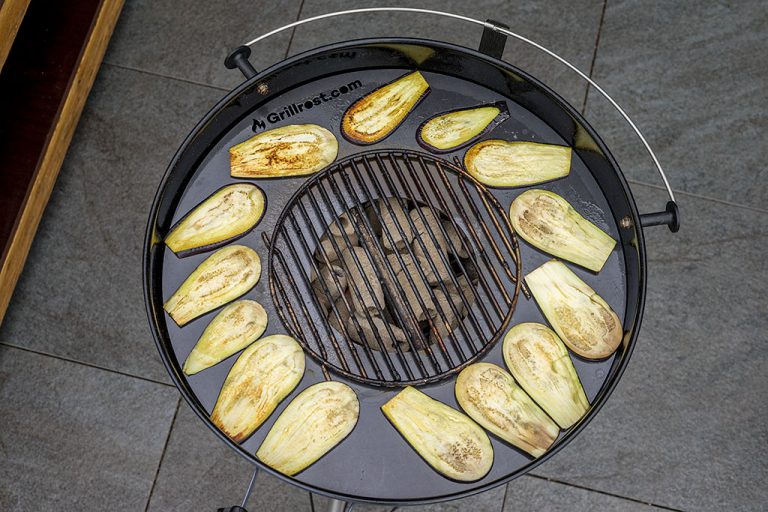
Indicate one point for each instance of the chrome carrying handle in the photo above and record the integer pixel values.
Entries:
(670, 217)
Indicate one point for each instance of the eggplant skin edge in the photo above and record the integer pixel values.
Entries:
(502, 116)
(215, 245)
(367, 141)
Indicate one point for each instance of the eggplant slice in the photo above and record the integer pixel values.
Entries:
(318, 419)
(492, 398)
(292, 150)
(222, 277)
(500, 163)
(373, 117)
(227, 214)
(548, 222)
(584, 321)
(261, 378)
(448, 440)
(540, 363)
(458, 128)
(234, 328)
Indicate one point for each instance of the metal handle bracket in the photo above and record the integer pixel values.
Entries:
(492, 42)
(669, 217)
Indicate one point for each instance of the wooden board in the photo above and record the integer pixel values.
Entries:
(43, 87)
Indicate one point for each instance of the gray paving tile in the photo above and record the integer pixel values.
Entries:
(569, 28)
(489, 501)
(527, 493)
(199, 472)
(686, 426)
(190, 39)
(80, 294)
(77, 438)
(692, 75)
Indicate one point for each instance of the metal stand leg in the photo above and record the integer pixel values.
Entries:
(339, 506)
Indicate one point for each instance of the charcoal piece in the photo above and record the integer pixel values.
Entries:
(455, 241)
(375, 333)
(329, 250)
(411, 296)
(455, 294)
(426, 224)
(446, 322)
(395, 224)
(425, 249)
(331, 291)
(341, 225)
(411, 265)
(344, 313)
(373, 299)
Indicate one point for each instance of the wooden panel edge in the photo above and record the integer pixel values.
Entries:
(11, 14)
(56, 149)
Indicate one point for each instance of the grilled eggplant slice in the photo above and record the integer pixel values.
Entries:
(312, 424)
(540, 363)
(234, 328)
(549, 222)
(584, 321)
(292, 150)
(492, 398)
(223, 276)
(261, 378)
(373, 117)
(453, 130)
(225, 215)
(499, 163)
(449, 441)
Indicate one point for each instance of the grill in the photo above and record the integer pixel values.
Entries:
(357, 196)
(362, 179)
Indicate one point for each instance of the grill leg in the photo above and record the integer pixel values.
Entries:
(339, 506)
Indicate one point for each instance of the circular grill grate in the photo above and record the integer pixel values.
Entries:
(434, 346)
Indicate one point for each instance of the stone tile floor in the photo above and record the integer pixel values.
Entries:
(90, 421)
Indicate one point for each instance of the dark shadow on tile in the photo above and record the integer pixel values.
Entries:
(569, 28)
(77, 438)
(528, 493)
(686, 426)
(190, 39)
(199, 472)
(80, 294)
(692, 75)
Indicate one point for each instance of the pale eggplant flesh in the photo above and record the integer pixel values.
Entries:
(550, 223)
(226, 215)
(224, 276)
(448, 440)
(501, 163)
(453, 130)
(263, 375)
(539, 361)
(318, 419)
(292, 150)
(237, 325)
(584, 321)
(490, 396)
(376, 115)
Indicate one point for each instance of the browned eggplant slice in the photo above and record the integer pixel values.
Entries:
(584, 321)
(456, 129)
(292, 150)
(500, 163)
(222, 277)
(226, 215)
(373, 117)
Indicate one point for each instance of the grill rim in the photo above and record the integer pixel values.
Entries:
(635, 303)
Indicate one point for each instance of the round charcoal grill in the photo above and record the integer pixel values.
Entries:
(374, 463)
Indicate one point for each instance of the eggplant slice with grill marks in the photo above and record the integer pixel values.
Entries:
(492, 398)
(263, 375)
(448, 440)
(584, 321)
(549, 222)
(224, 276)
(458, 128)
(318, 419)
(234, 328)
(227, 214)
(540, 363)
(500, 163)
(292, 150)
(373, 117)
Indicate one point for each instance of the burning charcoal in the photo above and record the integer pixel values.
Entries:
(373, 331)
(455, 294)
(411, 296)
(409, 265)
(343, 311)
(327, 278)
(446, 322)
(425, 249)
(342, 224)
(394, 222)
(373, 216)
(455, 243)
(427, 225)
(370, 301)
(328, 250)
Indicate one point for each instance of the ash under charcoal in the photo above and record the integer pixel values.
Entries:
(394, 246)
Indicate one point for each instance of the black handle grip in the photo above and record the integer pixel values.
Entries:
(232, 509)
(239, 59)
(669, 217)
